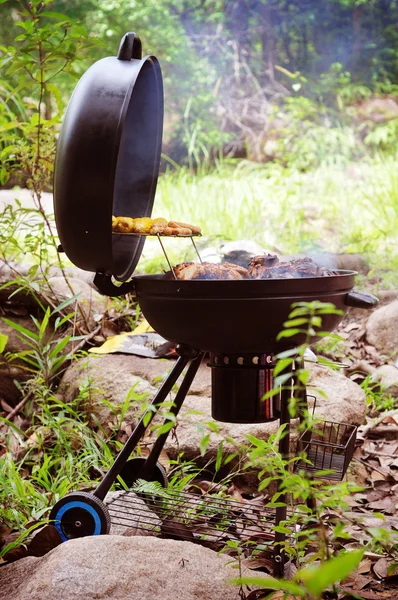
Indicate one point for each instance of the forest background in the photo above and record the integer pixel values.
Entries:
(284, 107)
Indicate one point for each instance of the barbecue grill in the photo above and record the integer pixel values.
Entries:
(107, 164)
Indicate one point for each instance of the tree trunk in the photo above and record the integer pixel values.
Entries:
(356, 45)
(268, 44)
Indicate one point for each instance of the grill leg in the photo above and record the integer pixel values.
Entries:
(175, 409)
(186, 354)
(281, 511)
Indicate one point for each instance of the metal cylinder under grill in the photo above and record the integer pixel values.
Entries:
(239, 384)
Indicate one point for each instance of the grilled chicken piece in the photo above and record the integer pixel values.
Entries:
(269, 267)
(191, 270)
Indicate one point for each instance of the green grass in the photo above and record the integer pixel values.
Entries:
(334, 208)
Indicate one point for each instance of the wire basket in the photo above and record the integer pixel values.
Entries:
(328, 447)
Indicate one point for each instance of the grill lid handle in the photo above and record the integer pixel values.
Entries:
(361, 300)
(130, 47)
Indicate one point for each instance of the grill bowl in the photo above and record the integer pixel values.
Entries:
(236, 316)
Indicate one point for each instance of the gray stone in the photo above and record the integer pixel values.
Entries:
(130, 516)
(117, 568)
(382, 329)
(110, 378)
(241, 252)
(114, 375)
(352, 262)
(379, 110)
(8, 271)
(387, 376)
(75, 273)
(192, 426)
(386, 296)
(25, 197)
(344, 400)
(88, 303)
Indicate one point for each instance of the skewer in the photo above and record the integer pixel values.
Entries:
(196, 250)
(167, 258)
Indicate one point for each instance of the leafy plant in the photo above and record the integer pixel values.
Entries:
(45, 354)
(312, 581)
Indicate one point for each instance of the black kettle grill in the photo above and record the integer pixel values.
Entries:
(107, 164)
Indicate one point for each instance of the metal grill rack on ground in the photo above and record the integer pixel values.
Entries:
(207, 520)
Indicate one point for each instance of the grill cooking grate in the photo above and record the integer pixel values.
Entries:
(207, 520)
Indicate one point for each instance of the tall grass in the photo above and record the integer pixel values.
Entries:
(334, 208)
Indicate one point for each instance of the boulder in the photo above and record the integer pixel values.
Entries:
(131, 515)
(387, 376)
(114, 375)
(378, 110)
(89, 302)
(382, 329)
(337, 397)
(117, 567)
(241, 252)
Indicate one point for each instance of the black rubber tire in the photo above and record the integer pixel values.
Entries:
(79, 514)
(131, 470)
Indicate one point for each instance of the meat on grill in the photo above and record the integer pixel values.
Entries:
(192, 270)
(269, 267)
(260, 267)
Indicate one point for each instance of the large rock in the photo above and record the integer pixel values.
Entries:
(387, 376)
(337, 397)
(241, 252)
(88, 303)
(378, 110)
(382, 329)
(114, 375)
(117, 568)
(130, 515)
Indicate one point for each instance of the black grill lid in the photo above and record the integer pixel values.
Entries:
(107, 159)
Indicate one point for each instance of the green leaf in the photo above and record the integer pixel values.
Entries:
(295, 322)
(317, 579)
(60, 346)
(281, 365)
(272, 584)
(165, 428)
(255, 441)
(25, 332)
(44, 323)
(3, 342)
(219, 456)
(204, 442)
(286, 333)
(265, 483)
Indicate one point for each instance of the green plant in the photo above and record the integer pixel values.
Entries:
(376, 398)
(62, 450)
(49, 44)
(312, 581)
(45, 354)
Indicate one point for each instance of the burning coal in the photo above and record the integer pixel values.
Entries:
(267, 266)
